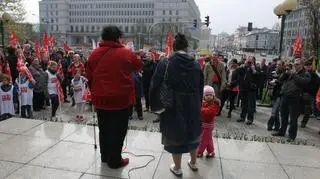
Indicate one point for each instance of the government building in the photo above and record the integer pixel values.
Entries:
(79, 22)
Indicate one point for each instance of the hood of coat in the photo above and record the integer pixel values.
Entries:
(183, 61)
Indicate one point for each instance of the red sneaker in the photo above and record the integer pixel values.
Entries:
(124, 162)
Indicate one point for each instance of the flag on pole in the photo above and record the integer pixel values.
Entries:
(44, 48)
(66, 47)
(37, 49)
(169, 48)
(21, 66)
(13, 40)
(297, 47)
(50, 42)
(60, 70)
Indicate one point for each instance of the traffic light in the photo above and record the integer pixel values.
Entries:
(207, 21)
(250, 26)
(195, 23)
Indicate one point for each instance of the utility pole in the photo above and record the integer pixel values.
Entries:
(2, 33)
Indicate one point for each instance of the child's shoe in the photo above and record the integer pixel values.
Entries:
(81, 117)
(199, 155)
(78, 116)
(210, 155)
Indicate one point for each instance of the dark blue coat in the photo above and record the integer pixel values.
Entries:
(181, 125)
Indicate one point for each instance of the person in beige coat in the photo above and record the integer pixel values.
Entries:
(215, 75)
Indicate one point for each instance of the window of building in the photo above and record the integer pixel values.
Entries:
(57, 27)
(132, 29)
(177, 12)
(71, 28)
(57, 13)
(92, 28)
(77, 28)
(126, 29)
(164, 12)
(170, 12)
(56, 5)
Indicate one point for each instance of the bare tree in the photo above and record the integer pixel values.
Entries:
(13, 7)
(276, 26)
(313, 18)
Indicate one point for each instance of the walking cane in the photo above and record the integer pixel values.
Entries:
(94, 127)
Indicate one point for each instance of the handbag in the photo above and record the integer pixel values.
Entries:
(166, 93)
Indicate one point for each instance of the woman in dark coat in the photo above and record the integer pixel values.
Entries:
(180, 125)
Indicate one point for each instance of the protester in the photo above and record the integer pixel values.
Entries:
(24, 87)
(109, 71)
(180, 124)
(78, 84)
(262, 78)
(229, 93)
(291, 91)
(40, 86)
(147, 72)
(274, 120)
(215, 75)
(52, 88)
(6, 97)
(27, 54)
(209, 109)
(137, 105)
(245, 77)
(309, 94)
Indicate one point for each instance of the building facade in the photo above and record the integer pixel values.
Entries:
(262, 40)
(81, 21)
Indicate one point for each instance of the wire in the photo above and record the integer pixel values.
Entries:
(138, 167)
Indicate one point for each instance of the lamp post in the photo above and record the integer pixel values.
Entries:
(2, 33)
(282, 11)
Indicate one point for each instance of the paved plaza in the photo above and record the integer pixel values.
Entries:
(42, 149)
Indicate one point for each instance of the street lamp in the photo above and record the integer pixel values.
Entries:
(282, 11)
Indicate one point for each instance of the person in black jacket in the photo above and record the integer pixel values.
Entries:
(310, 92)
(147, 72)
(291, 91)
(276, 84)
(246, 78)
(137, 77)
(263, 72)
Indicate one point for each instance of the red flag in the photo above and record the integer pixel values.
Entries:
(155, 54)
(21, 66)
(297, 47)
(50, 41)
(13, 40)
(169, 48)
(60, 92)
(60, 70)
(37, 49)
(66, 47)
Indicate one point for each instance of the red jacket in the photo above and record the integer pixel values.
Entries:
(112, 85)
(208, 112)
(72, 69)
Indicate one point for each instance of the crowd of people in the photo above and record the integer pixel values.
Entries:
(189, 93)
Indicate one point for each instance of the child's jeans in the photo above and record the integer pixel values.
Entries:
(54, 104)
(206, 141)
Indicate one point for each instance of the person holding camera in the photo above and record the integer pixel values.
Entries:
(276, 84)
(246, 78)
(292, 91)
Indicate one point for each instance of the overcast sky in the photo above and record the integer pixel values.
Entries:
(225, 15)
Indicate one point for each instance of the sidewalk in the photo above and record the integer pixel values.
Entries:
(41, 149)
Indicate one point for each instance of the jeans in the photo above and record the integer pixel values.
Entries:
(26, 109)
(289, 107)
(38, 100)
(113, 126)
(206, 141)
(275, 114)
(307, 108)
(54, 104)
(248, 103)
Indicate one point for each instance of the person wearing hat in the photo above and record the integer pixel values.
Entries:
(246, 78)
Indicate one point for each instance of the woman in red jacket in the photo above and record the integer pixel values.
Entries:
(109, 71)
